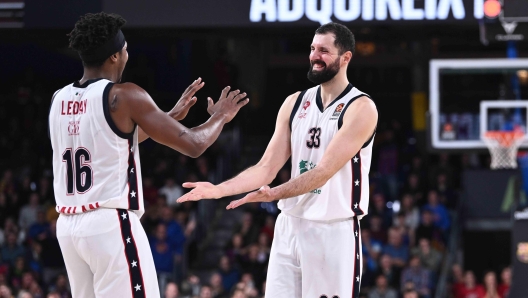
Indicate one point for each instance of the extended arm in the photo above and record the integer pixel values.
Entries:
(359, 123)
(274, 158)
(180, 110)
(165, 130)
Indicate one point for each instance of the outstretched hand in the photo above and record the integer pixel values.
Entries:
(264, 194)
(201, 190)
(187, 100)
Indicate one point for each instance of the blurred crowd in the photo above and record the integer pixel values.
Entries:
(404, 236)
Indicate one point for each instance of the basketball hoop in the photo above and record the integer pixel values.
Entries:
(503, 147)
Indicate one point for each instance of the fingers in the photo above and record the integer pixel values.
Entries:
(192, 85)
(190, 184)
(238, 97)
(224, 92)
(233, 94)
(243, 103)
(236, 203)
(210, 102)
(195, 89)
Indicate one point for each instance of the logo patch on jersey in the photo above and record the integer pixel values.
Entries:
(305, 166)
(338, 110)
(73, 128)
(305, 106)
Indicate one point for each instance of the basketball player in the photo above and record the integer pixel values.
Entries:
(95, 126)
(328, 131)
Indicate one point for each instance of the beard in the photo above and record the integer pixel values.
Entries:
(325, 75)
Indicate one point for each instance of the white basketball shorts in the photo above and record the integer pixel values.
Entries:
(107, 254)
(312, 259)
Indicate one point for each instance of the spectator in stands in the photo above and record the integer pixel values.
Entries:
(238, 294)
(396, 250)
(430, 258)
(171, 290)
(205, 292)
(504, 287)
(172, 191)
(440, 213)
(61, 286)
(28, 213)
(457, 283)
(428, 230)
(251, 264)
(418, 275)
(445, 192)
(389, 271)
(388, 163)
(414, 188)
(33, 257)
(4, 212)
(39, 229)
(45, 192)
(11, 250)
(399, 225)
(191, 286)
(150, 192)
(490, 285)
(264, 248)
(51, 256)
(236, 251)
(5, 292)
(410, 211)
(269, 227)
(379, 208)
(470, 288)
(164, 254)
(371, 250)
(230, 276)
(247, 229)
(410, 294)
(216, 285)
(377, 232)
(382, 289)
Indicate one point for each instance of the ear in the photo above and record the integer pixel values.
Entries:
(114, 57)
(347, 56)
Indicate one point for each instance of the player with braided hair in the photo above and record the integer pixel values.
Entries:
(95, 127)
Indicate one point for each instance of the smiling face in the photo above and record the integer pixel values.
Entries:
(325, 61)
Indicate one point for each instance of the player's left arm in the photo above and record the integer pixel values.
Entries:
(180, 110)
(359, 123)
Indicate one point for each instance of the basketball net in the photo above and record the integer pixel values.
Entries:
(503, 146)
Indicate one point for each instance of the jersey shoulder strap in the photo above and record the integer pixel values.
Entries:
(296, 106)
(340, 121)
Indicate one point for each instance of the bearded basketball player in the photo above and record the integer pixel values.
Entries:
(95, 126)
(328, 131)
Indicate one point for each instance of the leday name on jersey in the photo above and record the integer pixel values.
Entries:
(305, 166)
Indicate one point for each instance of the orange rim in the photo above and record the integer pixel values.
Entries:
(505, 138)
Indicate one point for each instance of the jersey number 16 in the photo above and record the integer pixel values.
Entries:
(78, 170)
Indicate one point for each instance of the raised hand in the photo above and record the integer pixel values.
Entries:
(187, 100)
(264, 194)
(229, 103)
(202, 190)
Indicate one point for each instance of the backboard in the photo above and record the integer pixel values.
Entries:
(456, 89)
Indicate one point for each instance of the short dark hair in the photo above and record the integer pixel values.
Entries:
(344, 38)
(93, 30)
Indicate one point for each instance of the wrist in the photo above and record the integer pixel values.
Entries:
(275, 193)
(221, 116)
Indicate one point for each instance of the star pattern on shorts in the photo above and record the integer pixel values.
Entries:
(357, 256)
(356, 233)
(133, 194)
(124, 215)
(356, 182)
(134, 263)
(357, 278)
(355, 205)
(128, 240)
(132, 170)
(137, 287)
(131, 149)
(356, 159)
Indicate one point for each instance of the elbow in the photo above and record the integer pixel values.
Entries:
(198, 149)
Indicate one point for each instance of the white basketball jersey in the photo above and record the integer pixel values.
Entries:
(346, 194)
(94, 164)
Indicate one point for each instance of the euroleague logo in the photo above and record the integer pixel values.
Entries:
(305, 106)
(73, 128)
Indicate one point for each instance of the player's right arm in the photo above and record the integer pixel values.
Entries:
(137, 106)
(263, 173)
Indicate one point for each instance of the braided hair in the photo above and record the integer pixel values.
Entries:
(93, 30)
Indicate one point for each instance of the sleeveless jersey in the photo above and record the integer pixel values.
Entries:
(94, 163)
(346, 194)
